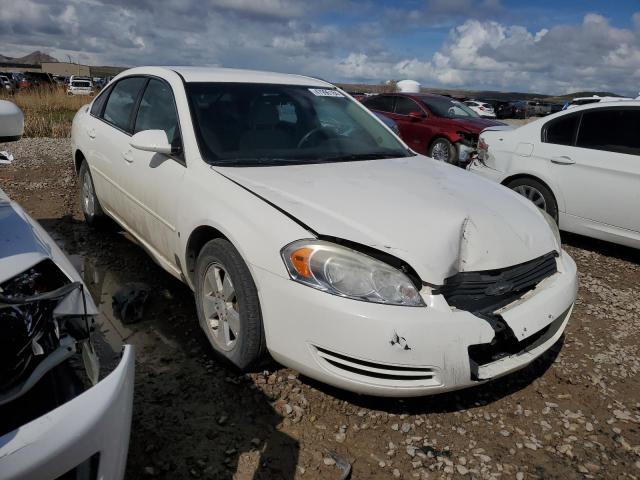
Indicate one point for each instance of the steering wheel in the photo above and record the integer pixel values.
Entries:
(310, 133)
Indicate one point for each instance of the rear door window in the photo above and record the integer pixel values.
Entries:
(561, 131)
(612, 130)
(384, 103)
(121, 102)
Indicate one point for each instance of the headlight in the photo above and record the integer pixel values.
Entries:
(341, 271)
(554, 227)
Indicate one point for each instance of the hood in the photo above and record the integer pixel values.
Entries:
(439, 219)
(474, 125)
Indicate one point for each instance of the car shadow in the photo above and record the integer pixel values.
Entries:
(460, 400)
(602, 247)
(194, 415)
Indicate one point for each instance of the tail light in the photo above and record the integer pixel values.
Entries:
(483, 149)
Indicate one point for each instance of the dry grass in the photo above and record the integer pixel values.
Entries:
(48, 112)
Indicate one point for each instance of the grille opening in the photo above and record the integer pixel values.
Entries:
(375, 370)
(485, 291)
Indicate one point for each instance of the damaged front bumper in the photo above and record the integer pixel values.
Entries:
(409, 351)
(89, 433)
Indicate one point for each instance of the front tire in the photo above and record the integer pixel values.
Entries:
(228, 305)
(537, 193)
(93, 213)
(443, 150)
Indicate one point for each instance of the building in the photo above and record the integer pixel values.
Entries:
(62, 69)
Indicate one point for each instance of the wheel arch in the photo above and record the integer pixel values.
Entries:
(518, 176)
(78, 158)
(197, 239)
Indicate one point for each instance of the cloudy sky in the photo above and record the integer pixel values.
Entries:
(545, 46)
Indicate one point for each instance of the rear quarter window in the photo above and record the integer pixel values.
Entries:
(561, 131)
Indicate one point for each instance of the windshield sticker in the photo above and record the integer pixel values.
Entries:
(323, 92)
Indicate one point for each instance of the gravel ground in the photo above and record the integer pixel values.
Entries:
(575, 413)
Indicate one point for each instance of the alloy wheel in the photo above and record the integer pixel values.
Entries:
(533, 194)
(88, 201)
(220, 307)
(440, 151)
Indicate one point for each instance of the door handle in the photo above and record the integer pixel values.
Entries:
(563, 160)
(91, 132)
(128, 156)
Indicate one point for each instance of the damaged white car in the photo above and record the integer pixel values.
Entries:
(309, 230)
(65, 399)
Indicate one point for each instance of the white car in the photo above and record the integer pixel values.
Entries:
(80, 86)
(63, 412)
(481, 108)
(582, 166)
(308, 229)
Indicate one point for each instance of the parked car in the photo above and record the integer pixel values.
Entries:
(483, 109)
(6, 84)
(433, 125)
(307, 229)
(582, 166)
(503, 109)
(65, 412)
(80, 86)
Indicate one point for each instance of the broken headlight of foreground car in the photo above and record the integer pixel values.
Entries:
(43, 322)
(348, 273)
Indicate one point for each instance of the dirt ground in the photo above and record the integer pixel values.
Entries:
(575, 413)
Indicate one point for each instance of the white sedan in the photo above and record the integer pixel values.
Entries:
(309, 230)
(582, 166)
(481, 108)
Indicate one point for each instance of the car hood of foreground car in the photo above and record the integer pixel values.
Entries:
(439, 219)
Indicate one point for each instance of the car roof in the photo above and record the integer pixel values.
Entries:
(230, 75)
(590, 106)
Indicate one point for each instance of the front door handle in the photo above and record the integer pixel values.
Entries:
(91, 132)
(563, 160)
(128, 156)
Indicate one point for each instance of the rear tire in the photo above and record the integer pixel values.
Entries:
(91, 208)
(444, 151)
(536, 192)
(228, 305)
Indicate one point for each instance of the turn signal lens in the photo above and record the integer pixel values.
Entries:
(300, 261)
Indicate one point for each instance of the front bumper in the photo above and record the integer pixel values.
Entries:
(94, 425)
(404, 351)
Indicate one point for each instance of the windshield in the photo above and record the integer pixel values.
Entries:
(448, 108)
(261, 124)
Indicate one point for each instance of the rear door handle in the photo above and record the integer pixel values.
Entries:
(128, 156)
(563, 160)
(91, 132)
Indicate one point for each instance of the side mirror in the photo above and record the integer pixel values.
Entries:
(152, 141)
(11, 122)
(416, 116)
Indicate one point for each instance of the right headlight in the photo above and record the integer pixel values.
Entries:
(554, 228)
(342, 271)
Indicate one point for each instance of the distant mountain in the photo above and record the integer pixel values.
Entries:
(34, 58)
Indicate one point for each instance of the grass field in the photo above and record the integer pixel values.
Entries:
(47, 112)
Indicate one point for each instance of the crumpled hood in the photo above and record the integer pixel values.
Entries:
(438, 218)
(24, 243)
(475, 125)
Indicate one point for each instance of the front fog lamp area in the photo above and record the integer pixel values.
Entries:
(341, 271)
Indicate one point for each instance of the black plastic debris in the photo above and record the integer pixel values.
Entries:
(342, 464)
(128, 302)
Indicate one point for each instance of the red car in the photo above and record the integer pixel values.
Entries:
(434, 125)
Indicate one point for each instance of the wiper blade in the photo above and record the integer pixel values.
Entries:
(359, 156)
